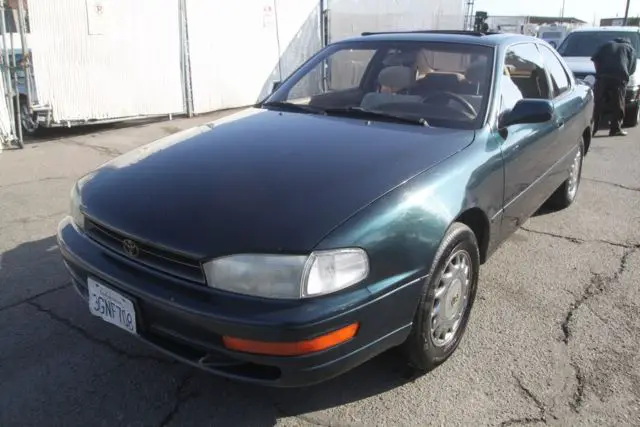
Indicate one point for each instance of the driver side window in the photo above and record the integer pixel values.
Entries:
(522, 76)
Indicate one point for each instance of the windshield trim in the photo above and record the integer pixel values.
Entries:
(488, 96)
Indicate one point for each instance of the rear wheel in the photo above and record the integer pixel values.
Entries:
(27, 120)
(447, 298)
(566, 194)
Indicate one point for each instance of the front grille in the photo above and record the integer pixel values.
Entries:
(153, 257)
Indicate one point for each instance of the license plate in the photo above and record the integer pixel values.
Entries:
(111, 307)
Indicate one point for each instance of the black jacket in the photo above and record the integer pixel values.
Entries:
(615, 59)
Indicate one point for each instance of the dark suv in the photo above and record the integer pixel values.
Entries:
(580, 45)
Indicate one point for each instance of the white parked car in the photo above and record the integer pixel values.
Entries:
(580, 45)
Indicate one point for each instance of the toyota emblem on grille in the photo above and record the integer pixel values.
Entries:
(130, 248)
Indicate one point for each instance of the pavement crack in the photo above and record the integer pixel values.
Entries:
(578, 394)
(35, 181)
(34, 297)
(181, 397)
(110, 151)
(557, 236)
(613, 184)
(521, 421)
(579, 241)
(528, 394)
(306, 418)
(596, 286)
(101, 342)
(31, 219)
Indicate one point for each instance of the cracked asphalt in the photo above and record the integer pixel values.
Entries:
(554, 336)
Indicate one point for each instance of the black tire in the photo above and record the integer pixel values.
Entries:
(564, 196)
(29, 127)
(420, 349)
(631, 117)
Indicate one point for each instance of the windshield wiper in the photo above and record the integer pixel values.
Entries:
(370, 114)
(298, 108)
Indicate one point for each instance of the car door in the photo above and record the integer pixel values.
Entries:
(526, 148)
(567, 106)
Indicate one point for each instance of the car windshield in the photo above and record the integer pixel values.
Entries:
(586, 43)
(425, 83)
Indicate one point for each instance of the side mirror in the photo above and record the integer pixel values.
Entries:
(527, 111)
(275, 85)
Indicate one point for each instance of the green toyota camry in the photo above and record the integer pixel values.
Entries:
(347, 213)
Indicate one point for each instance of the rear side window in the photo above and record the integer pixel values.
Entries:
(559, 77)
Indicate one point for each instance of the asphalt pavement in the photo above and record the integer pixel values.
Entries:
(554, 336)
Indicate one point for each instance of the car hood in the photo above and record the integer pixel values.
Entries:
(259, 181)
(580, 64)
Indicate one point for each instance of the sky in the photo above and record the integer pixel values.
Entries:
(581, 9)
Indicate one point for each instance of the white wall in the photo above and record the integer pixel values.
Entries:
(352, 17)
(299, 37)
(125, 63)
(233, 49)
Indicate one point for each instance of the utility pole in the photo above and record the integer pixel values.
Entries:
(562, 12)
(626, 13)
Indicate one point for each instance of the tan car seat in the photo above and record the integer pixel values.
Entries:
(394, 78)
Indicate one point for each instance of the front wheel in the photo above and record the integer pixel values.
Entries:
(447, 298)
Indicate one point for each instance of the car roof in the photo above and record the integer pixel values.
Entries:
(608, 28)
(465, 37)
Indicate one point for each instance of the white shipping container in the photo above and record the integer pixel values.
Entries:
(238, 49)
(105, 59)
(117, 59)
(233, 48)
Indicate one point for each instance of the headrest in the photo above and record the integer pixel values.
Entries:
(477, 71)
(397, 77)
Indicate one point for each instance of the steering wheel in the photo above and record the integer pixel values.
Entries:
(450, 96)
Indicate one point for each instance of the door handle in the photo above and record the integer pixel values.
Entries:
(559, 123)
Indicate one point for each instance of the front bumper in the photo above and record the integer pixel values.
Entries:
(188, 321)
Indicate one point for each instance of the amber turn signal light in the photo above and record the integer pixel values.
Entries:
(294, 348)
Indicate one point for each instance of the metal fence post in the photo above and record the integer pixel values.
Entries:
(6, 73)
(185, 57)
(18, 115)
(324, 22)
(26, 54)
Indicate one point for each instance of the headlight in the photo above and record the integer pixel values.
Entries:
(75, 212)
(288, 276)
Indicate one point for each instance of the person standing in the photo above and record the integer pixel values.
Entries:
(615, 62)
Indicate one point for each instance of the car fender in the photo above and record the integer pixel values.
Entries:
(402, 230)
